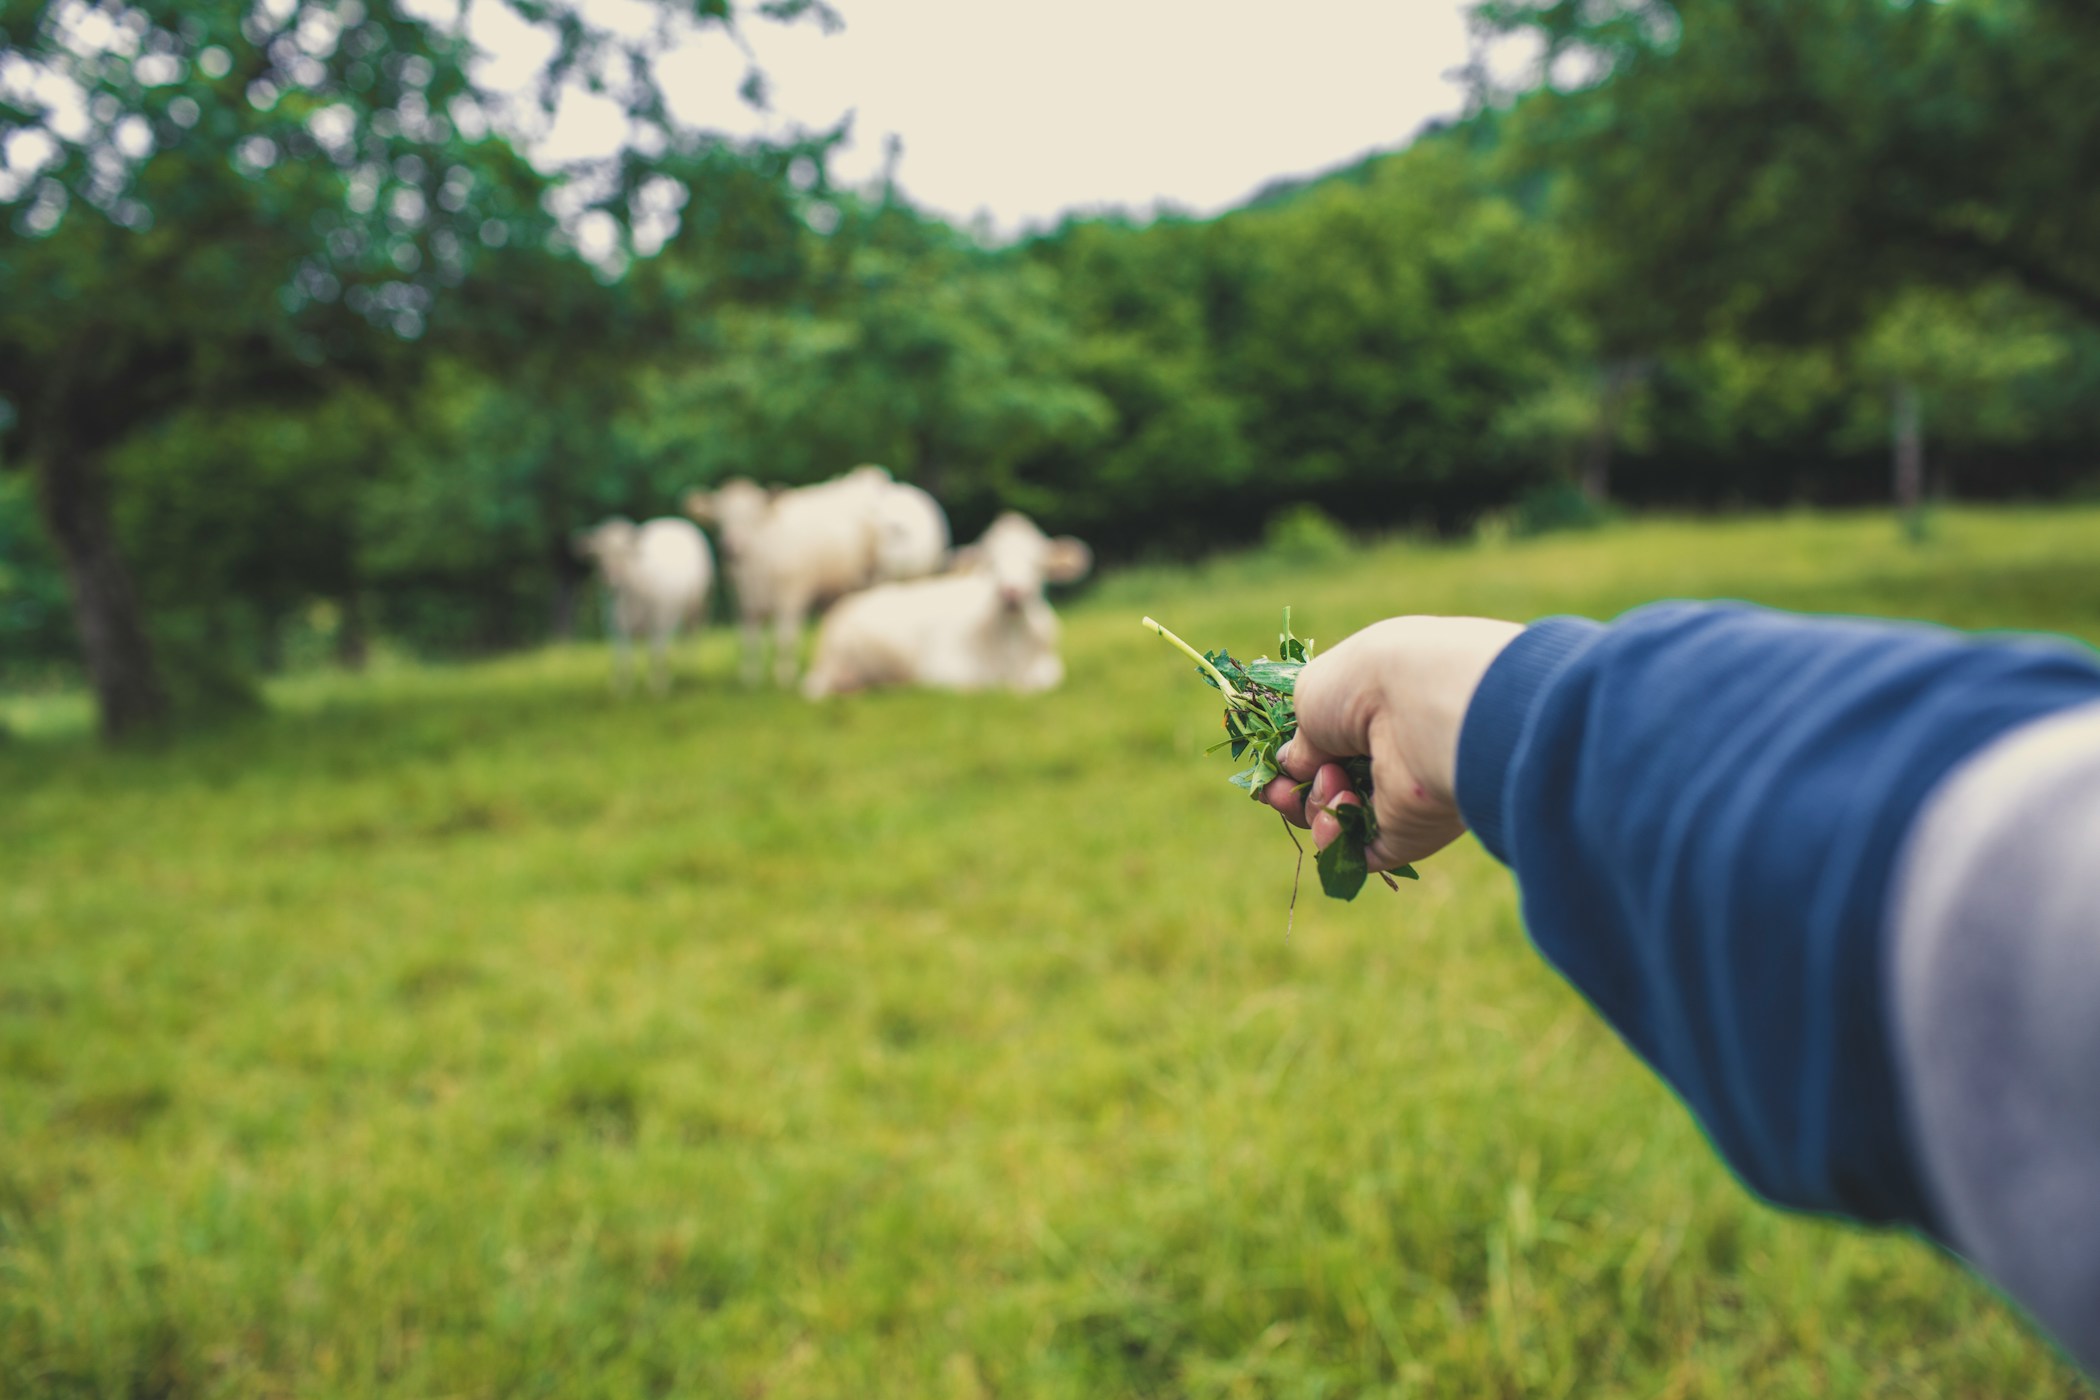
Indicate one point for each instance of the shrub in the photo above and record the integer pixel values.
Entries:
(1558, 505)
(1304, 534)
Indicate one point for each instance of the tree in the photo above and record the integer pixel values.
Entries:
(1788, 166)
(896, 340)
(1962, 359)
(1793, 170)
(212, 204)
(1387, 326)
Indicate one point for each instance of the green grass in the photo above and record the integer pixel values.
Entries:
(468, 1032)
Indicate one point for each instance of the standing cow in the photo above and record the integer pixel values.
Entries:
(658, 574)
(985, 626)
(790, 552)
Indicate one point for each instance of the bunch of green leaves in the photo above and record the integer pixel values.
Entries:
(1261, 716)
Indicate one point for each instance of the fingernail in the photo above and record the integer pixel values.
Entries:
(1324, 827)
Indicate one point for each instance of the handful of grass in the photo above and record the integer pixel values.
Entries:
(1261, 715)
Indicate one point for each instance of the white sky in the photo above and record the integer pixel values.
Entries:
(1017, 110)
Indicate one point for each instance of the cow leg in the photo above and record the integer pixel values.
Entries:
(623, 660)
(825, 676)
(752, 636)
(787, 639)
(1045, 672)
(660, 657)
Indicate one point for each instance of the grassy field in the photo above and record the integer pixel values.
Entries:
(468, 1032)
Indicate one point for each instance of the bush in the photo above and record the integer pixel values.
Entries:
(1304, 534)
(36, 620)
(1558, 505)
(205, 685)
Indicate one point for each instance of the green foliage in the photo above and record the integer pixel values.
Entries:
(263, 208)
(1384, 327)
(208, 685)
(433, 1035)
(1261, 716)
(36, 633)
(251, 511)
(1351, 347)
(1343, 867)
(911, 348)
(1792, 165)
(1303, 534)
(1977, 359)
(318, 337)
(1152, 308)
(1557, 505)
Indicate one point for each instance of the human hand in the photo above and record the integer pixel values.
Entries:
(1396, 691)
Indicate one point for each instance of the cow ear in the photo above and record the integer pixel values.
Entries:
(1068, 560)
(966, 559)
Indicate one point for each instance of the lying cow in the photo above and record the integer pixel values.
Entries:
(985, 626)
(658, 573)
(791, 552)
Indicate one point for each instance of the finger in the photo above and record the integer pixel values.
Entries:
(1301, 758)
(1328, 780)
(1287, 795)
(1330, 784)
(1325, 825)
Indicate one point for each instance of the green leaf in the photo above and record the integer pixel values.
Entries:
(1259, 720)
(1273, 675)
(1342, 868)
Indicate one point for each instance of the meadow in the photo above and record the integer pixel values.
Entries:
(469, 1031)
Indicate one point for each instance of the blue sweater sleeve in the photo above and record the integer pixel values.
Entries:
(1703, 805)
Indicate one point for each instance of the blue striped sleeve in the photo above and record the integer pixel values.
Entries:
(1702, 804)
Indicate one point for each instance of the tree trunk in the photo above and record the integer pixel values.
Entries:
(353, 643)
(563, 620)
(113, 642)
(1908, 431)
(568, 587)
(1621, 378)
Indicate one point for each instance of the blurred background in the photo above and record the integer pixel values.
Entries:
(396, 1008)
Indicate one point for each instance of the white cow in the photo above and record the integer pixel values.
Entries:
(985, 626)
(659, 573)
(911, 534)
(791, 552)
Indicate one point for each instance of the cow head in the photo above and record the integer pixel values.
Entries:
(734, 508)
(608, 544)
(868, 474)
(1021, 559)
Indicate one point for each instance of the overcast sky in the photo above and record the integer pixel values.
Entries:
(1018, 110)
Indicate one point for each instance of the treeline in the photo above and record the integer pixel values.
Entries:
(1749, 249)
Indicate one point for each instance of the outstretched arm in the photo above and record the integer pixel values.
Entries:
(1709, 810)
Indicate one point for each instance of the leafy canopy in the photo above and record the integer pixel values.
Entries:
(1789, 166)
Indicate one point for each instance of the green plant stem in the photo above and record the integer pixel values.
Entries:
(1198, 657)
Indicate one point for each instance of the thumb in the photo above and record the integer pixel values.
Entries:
(1334, 712)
